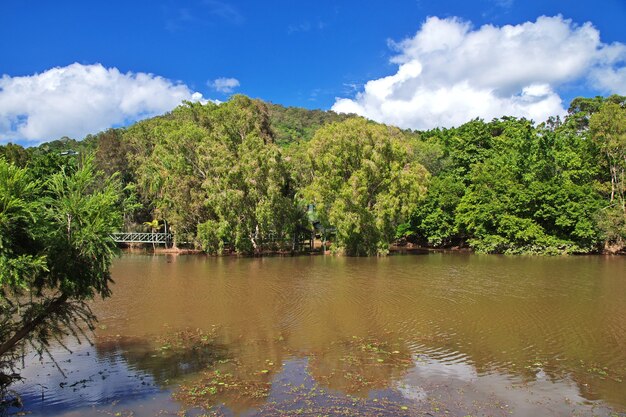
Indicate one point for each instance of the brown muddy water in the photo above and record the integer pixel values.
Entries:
(437, 334)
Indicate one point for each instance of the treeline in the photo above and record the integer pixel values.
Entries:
(247, 176)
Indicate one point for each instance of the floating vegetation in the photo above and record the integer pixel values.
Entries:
(231, 384)
(188, 340)
(352, 376)
(320, 402)
(333, 383)
(357, 365)
(602, 372)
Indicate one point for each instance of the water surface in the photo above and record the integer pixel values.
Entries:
(444, 334)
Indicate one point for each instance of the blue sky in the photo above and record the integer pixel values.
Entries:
(300, 53)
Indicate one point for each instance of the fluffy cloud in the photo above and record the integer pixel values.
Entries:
(449, 73)
(79, 99)
(224, 85)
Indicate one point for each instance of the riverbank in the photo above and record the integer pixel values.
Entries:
(393, 250)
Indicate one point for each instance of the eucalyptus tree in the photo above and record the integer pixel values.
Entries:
(171, 178)
(248, 190)
(364, 182)
(608, 130)
(216, 175)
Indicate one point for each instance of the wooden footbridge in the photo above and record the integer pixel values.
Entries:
(136, 237)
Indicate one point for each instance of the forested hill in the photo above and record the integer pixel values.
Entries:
(248, 176)
(291, 124)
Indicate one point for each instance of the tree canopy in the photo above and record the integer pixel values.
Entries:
(240, 175)
(215, 173)
(364, 182)
(55, 252)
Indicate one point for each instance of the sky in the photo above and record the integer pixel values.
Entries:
(70, 68)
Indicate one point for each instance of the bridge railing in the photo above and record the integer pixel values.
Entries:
(132, 237)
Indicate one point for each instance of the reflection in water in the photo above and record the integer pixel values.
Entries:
(90, 379)
(356, 366)
(405, 334)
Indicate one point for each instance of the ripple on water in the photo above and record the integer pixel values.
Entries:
(552, 326)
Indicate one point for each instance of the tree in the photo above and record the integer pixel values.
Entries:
(55, 253)
(434, 218)
(582, 108)
(608, 130)
(15, 154)
(249, 197)
(171, 177)
(216, 175)
(111, 154)
(364, 182)
(532, 193)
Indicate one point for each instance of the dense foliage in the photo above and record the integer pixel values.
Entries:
(239, 177)
(513, 188)
(364, 182)
(216, 175)
(293, 124)
(55, 251)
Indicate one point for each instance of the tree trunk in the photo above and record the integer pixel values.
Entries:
(622, 197)
(253, 239)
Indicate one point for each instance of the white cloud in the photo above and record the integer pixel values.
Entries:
(610, 79)
(449, 73)
(79, 99)
(224, 85)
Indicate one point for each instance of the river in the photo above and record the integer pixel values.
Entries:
(436, 334)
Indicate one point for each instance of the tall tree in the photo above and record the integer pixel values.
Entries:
(216, 175)
(55, 253)
(15, 154)
(249, 196)
(364, 182)
(608, 130)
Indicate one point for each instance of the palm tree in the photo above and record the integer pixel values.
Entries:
(154, 227)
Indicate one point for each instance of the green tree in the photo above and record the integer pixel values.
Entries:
(434, 218)
(216, 175)
(608, 130)
(55, 253)
(15, 154)
(249, 197)
(364, 182)
(582, 108)
(171, 176)
(44, 165)
(532, 193)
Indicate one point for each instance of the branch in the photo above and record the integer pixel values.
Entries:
(33, 324)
